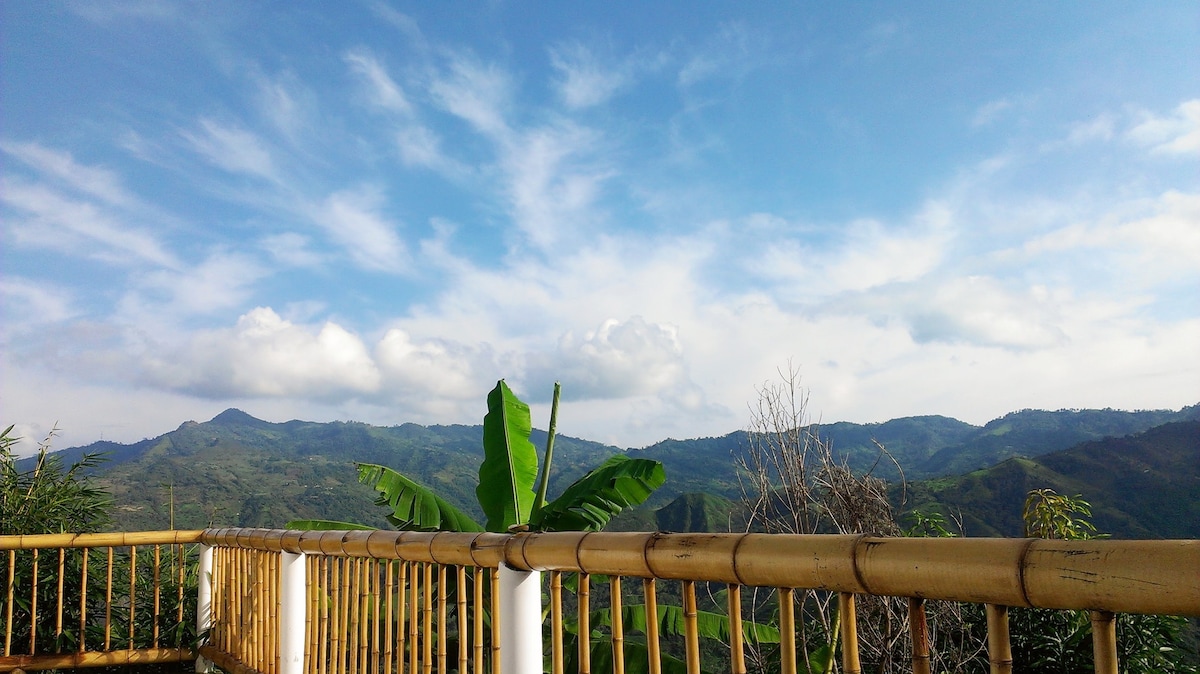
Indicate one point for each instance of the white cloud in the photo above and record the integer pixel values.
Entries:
(264, 355)
(352, 219)
(384, 91)
(432, 372)
(57, 222)
(1175, 133)
(477, 93)
(100, 183)
(582, 80)
(221, 281)
(233, 149)
(29, 303)
(990, 112)
(291, 249)
(620, 359)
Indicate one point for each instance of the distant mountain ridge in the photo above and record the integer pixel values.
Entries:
(239, 470)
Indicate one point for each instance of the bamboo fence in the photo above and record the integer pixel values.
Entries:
(386, 601)
(92, 600)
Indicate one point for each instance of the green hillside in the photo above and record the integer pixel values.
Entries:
(1140, 486)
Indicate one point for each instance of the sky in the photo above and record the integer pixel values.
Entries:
(372, 211)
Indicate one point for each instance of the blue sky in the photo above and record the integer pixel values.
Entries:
(371, 211)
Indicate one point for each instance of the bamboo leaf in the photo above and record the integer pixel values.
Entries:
(326, 525)
(593, 500)
(414, 506)
(509, 469)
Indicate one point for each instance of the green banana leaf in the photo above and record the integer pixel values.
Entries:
(509, 469)
(671, 623)
(593, 500)
(637, 658)
(414, 506)
(326, 525)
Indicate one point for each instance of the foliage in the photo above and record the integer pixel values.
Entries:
(506, 484)
(50, 497)
(1050, 641)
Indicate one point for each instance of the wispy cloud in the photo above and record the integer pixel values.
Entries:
(382, 89)
(352, 218)
(583, 80)
(233, 149)
(1176, 133)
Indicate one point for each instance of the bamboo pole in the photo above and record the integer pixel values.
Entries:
(480, 575)
(324, 578)
(414, 607)
(58, 620)
(1104, 642)
(495, 582)
(787, 629)
(427, 635)
(335, 615)
(618, 625)
(652, 645)
(180, 578)
(108, 602)
(461, 614)
(83, 602)
(120, 658)
(737, 650)
(999, 647)
(33, 602)
(443, 627)
(848, 617)
(691, 631)
(584, 599)
(377, 585)
(157, 590)
(8, 606)
(118, 539)
(919, 628)
(556, 623)
(355, 599)
(132, 591)
(389, 610)
(401, 589)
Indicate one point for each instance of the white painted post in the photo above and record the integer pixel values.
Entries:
(204, 602)
(292, 603)
(520, 621)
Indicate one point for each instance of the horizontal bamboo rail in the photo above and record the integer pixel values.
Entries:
(1099, 575)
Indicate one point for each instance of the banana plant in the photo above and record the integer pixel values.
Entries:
(507, 480)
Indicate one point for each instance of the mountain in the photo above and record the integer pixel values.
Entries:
(239, 470)
(1145, 485)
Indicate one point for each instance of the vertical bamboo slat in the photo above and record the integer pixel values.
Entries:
(324, 576)
(584, 596)
(691, 630)
(8, 610)
(556, 623)
(618, 625)
(355, 602)
(180, 578)
(389, 610)
(377, 613)
(480, 665)
(737, 651)
(58, 620)
(427, 619)
(461, 613)
(1104, 642)
(999, 647)
(132, 590)
(849, 621)
(443, 627)
(495, 580)
(920, 635)
(401, 589)
(652, 647)
(787, 630)
(33, 602)
(83, 602)
(414, 625)
(157, 591)
(108, 603)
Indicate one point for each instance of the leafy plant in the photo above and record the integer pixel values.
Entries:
(507, 478)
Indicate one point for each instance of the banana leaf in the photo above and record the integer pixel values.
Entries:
(509, 469)
(326, 525)
(414, 506)
(671, 623)
(637, 658)
(593, 500)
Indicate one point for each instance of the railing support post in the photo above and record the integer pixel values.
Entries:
(520, 621)
(204, 602)
(292, 611)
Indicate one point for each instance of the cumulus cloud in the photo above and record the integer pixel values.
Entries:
(1176, 133)
(264, 355)
(421, 372)
(620, 359)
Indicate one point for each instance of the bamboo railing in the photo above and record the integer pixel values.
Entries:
(89, 600)
(385, 601)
